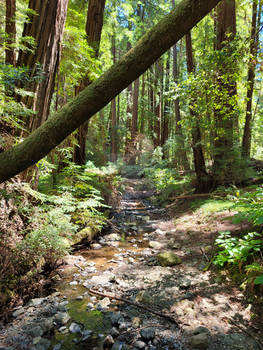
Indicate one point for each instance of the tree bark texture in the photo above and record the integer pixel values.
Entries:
(97, 95)
(47, 29)
(10, 30)
(225, 115)
(94, 26)
(181, 158)
(246, 141)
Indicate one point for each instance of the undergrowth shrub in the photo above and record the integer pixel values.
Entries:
(244, 251)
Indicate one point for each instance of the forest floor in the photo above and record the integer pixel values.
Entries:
(120, 294)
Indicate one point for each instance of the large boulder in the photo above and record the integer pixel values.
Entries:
(168, 259)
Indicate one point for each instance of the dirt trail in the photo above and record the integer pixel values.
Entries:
(211, 313)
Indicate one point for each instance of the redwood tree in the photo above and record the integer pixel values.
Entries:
(94, 26)
(10, 30)
(161, 37)
(46, 26)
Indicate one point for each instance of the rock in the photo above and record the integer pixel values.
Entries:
(118, 346)
(87, 233)
(199, 341)
(114, 332)
(61, 318)
(155, 245)
(116, 318)
(36, 331)
(90, 306)
(86, 334)
(108, 342)
(144, 297)
(74, 328)
(101, 280)
(73, 283)
(95, 246)
(184, 283)
(18, 312)
(168, 259)
(201, 329)
(124, 326)
(57, 347)
(113, 237)
(148, 333)
(139, 344)
(136, 321)
(36, 302)
(79, 297)
(41, 343)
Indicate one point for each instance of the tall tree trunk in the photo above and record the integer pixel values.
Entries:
(256, 13)
(114, 135)
(158, 102)
(97, 95)
(166, 108)
(203, 181)
(10, 30)
(225, 116)
(182, 159)
(94, 26)
(46, 27)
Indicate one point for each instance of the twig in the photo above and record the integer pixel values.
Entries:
(111, 296)
(259, 343)
(204, 254)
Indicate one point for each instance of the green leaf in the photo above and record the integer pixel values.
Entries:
(259, 280)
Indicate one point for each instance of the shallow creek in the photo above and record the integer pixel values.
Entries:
(120, 248)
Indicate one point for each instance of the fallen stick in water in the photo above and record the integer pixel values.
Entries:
(111, 296)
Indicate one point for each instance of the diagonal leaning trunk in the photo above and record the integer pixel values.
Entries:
(151, 46)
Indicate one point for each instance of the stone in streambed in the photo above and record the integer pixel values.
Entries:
(148, 333)
(199, 341)
(155, 245)
(168, 259)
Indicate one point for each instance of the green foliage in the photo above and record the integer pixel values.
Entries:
(237, 250)
(250, 207)
(46, 243)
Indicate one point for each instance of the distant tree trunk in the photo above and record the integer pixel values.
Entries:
(203, 181)
(182, 159)
(10, 30)
(225, 116)
(162, 36)
(142, 118)
(47, 29)
(94, 26)
(158, 102)
(254, 41)
(103, 129)
(114, 135)
(166, 108)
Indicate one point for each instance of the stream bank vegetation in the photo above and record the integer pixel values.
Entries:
(190, 123)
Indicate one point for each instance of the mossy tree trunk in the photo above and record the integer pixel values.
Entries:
(97, 95)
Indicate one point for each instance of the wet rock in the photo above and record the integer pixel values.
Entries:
(168, 259)
(74, 328)
(148, 333)
(61, 318)
(155, 245)
(199, 341)
(139, 344)
(86, 334)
